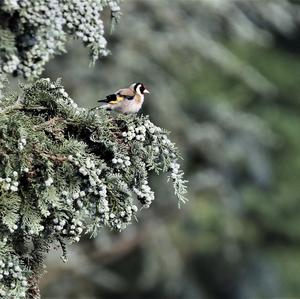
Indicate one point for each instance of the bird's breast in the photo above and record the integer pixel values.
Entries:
(131, 106)
(139, 99)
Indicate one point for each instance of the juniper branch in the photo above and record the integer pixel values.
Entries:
(65, 171)
(41, 27)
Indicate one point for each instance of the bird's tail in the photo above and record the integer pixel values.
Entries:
(105, 106)
(95, 108)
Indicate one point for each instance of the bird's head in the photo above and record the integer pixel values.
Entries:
(139, 88)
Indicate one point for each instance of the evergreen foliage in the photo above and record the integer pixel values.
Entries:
(66, 171)
(32, 31)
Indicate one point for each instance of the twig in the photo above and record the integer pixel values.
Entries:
(55, 158)
(16, 106)
(48, 123)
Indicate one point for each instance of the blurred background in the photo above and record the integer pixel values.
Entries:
(224, 77)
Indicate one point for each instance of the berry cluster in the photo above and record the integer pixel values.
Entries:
(68, 228)
(39, 30)
(144, 194)
(13, 281)
(121, 161)
(22, 143)
(10, 183)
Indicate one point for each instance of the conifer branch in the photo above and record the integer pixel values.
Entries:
(33, 31)
(67, 171)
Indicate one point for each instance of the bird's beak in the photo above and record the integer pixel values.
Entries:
(146, 91)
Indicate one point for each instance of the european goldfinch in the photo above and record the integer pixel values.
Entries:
(126, 100)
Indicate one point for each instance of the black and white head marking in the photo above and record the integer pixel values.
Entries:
(140, 88)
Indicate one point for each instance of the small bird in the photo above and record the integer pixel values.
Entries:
(126, 100)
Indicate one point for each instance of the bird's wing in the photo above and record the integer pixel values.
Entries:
(126, 92)
(119, 96)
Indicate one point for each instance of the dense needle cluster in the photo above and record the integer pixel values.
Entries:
(12, 273)
(65, 171)
(32, 31)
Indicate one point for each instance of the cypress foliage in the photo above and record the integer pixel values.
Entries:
(66, 171)
(32, 31)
